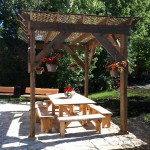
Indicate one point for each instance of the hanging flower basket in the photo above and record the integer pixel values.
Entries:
(51, 67)
(39, 70)
(73, 67)
(117, 67)
(113, 73)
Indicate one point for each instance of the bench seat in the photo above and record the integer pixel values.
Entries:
(36, 96)
(96, 117)
(43, 116)
(6, 91)
(94, 109)
(40, 92)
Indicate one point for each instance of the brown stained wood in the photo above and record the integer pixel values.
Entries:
(86, 72)
(112, 39)
(80, 20)
(80, 38)
(104, 21)
(4, 89)
(93, 109)
(58, 40)
(92, 52)
(81, 28)
(90, 43)
(32, 85)
(60, 110)
(48, 36)
(109, 47)
(74, 56)
(95, 117)
(42, 91)
(123, 89)
(68, 112)
(127, 22)
(50, 33)
(75, 47)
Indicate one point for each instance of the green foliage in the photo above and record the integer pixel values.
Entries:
(99, 79)
(147, 117)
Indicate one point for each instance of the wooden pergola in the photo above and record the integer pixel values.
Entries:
(82, 32)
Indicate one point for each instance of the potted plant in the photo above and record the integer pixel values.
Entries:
(39, 70)
(115, 68)
(73, 66)
(69, 92)
(52, 62)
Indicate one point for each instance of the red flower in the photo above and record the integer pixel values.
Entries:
(53, 59)
(118, 67)
(69, 89)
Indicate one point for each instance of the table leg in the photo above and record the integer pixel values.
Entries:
(71, 109)
(48, 103)
(60, 111)
(53, 109)
(84, 107)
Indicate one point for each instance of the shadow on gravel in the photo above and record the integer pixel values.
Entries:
(137, 108)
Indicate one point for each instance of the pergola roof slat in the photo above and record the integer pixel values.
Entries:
(49, 25)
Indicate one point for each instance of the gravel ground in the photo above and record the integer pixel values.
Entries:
(14, 131)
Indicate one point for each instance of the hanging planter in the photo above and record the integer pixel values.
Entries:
(115, 68)
(39, 70)
(52, 62)
(51, 67)
(73, 66)
(113, 73)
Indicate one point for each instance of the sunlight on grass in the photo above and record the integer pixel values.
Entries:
(115, 94)
(106, 94)
(139, 92)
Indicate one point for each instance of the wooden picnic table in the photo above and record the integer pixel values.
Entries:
(66, 110)
(65, 104)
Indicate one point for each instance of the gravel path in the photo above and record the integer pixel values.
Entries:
(14, 131)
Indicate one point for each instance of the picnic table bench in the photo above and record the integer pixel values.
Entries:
(94, 109)
(43, 116)
(67, 119)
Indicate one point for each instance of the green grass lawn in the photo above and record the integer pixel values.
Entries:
(115, 94)
(138, 101)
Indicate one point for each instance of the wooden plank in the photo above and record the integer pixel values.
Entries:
(75, 47)
(81, 28)
(86, 71)
(74, 56)
(42, 90)
(80, 38)
(99, 109)
(123, 89)
(80, 118)
(92, 52)
(4, 89)
(109, 47)
(32, 86)
(93, 109)
(58, 40)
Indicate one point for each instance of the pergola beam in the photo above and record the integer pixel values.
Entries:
(81, 28)
(74, 56)
(75, 47)
(58, 40)
(109, 47)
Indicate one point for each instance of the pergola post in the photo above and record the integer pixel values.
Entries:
(123, 89)
(32, 84)
(86, 71)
